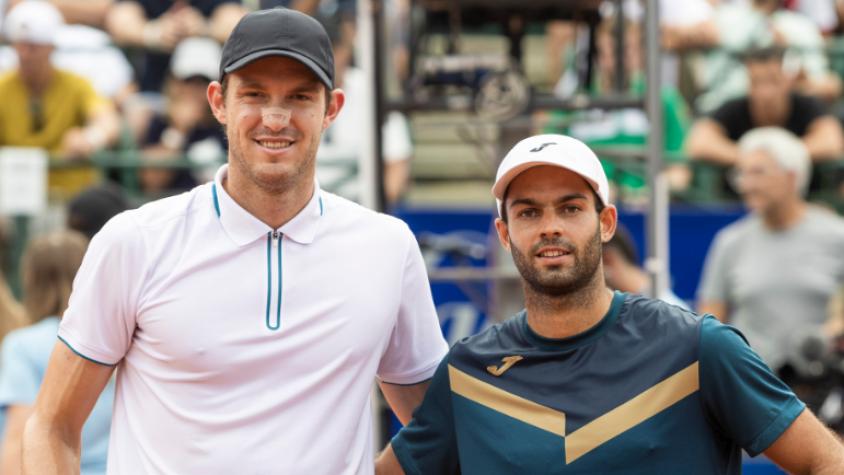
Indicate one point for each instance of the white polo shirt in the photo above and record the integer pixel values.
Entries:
(239, 352)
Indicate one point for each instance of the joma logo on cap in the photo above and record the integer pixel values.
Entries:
(539, 149)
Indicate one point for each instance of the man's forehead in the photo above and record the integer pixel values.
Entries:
(547, 178)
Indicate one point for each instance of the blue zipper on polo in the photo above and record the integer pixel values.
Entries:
(273, 241)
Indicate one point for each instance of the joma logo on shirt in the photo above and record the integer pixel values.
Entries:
(507, 362)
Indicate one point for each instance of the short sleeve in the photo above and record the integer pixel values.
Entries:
(100, 319)
(428, 444)
(734, 117)
(747, 402)
(92, 102)
(416, 343)
(397, 144)
(713, 281)
(19, 375)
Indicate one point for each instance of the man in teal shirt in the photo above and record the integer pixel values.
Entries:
(586, 380)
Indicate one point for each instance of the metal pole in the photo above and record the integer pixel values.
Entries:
(657, 219)
(369, 159)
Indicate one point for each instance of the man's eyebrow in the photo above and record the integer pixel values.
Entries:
(560, 200)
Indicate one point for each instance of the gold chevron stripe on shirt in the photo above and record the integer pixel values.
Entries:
(507, 403)
(647, 404)
(639, 409)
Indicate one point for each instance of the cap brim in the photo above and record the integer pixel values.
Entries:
(287, 54)
(504, 181)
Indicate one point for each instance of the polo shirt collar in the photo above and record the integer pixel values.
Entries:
(244, 228)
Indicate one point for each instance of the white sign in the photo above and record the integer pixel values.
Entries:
(23, 181)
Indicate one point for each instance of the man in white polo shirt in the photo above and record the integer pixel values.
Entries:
(249, 316)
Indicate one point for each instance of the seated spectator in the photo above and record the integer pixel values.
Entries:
(622, 271)
(158, 26)
(763, 23)
(187, 129)
(47, 107)
(340, 150)
(83, 12)
(770, 102)
(772, 272)
(88, 211)
(12, 316)
(626, 127)
(48, 268)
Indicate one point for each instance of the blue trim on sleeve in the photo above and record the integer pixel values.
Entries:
(216, 201)
(776, 428)
(83, 356)
(320, 206)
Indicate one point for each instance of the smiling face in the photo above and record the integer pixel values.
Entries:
(553, 230)
(274, 111)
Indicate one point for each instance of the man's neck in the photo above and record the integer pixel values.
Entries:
(785, 216)
(567, 315)
(764, 116)
(273, 209)
(38, 84)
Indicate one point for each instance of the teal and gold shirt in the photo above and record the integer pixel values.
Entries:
(651, 388)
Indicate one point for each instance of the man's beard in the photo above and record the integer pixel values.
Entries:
(564, 280)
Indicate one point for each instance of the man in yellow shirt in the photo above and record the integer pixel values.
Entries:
(49, 108)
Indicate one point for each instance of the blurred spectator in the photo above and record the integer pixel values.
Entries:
(758, 24)
(187, 129)
(770, 102)
(772, 273)
(158, 26)
(48, 268)
(622, 271)
(47, 107)
(339, 152)
(88, 211)
(626, 127)
(11, 313)
(85, 12)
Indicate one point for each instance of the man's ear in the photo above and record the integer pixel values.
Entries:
(338, 98)
(609, 221)
(503, 233)
(217, 101)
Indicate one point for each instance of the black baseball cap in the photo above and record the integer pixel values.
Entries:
(280, 32)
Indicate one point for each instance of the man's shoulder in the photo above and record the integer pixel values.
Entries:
(493, 339)
(645, 310)
(345, 212)
(154, 217)
(738, 230)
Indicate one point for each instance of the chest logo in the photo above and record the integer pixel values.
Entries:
(506, 363)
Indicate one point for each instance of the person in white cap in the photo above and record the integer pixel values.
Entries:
(586, 380)
(47, 107)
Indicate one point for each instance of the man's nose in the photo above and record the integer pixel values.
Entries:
(551, 225)
(275, 118)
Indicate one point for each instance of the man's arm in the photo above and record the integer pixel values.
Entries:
(715, 308)
(52, 435)
(223, 20)
(708, 141)
(387, 463)
(403, 400)
(807, 447)
(10, 455)
(824, 139)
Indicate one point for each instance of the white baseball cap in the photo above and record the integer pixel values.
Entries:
(33, 21)
(196, 56)
(551, 149)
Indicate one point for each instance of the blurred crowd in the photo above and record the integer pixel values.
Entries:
(751, 95)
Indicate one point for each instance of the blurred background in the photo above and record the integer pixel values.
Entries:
(102, 108)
